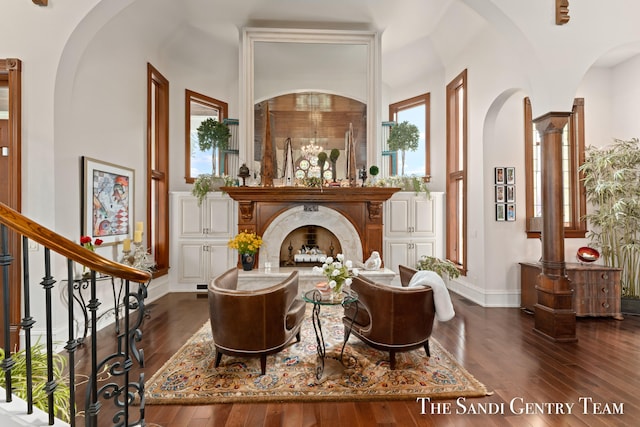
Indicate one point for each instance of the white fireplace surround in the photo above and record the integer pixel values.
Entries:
(297, 217)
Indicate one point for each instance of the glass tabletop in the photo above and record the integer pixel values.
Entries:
(314, 296)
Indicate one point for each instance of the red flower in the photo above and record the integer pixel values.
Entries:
(85, 239)
(98, 242)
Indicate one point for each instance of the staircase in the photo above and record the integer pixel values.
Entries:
(119, 391)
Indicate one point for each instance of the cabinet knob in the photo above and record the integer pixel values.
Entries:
(605, 276)
(605, 305)
(605, 290)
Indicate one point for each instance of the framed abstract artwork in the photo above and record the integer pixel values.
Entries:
(107, 201)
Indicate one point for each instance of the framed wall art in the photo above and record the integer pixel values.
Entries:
(511, 212)
(499, 176)
(500, 196)
(500, 212)
(510, 175)
(511, 193)
(107, 200)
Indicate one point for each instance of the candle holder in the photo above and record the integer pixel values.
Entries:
(139, 259)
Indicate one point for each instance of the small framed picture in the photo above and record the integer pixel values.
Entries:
(499, 176)
(511, 212)
(500, 196)
(511, 193)
(500, 212)
(510, 175)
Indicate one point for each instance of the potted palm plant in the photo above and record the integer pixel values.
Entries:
(612, 183)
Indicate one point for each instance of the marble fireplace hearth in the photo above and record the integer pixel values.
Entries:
(307, 279)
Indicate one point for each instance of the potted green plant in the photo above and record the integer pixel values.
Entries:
(403, 137)
(333, 158)
(40, 379)
(213, 135)
(206, 182)
(443, 267)
(322, 160)
(611, 177)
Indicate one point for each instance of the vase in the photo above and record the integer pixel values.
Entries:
(247, 262)
(336, 293)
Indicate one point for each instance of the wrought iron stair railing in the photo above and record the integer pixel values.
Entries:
(119, 389)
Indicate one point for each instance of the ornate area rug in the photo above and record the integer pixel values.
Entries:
(190, 377)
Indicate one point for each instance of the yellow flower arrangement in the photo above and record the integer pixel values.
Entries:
(246, 242)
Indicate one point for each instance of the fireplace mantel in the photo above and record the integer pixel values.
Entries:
(361, 206)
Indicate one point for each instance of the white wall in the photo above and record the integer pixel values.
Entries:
(84, 93)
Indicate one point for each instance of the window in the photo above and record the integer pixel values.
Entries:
(158, 168)
(456, 197)
(198, 108)
(574, 196)
(415, 111)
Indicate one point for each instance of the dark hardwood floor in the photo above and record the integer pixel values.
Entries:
(599, 375)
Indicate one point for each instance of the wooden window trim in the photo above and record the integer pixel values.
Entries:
(578, 225)
(158, 172)
(456, 172)
(208, 101)
(424, 99)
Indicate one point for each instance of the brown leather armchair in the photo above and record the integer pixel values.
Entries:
(392, 318)
(254, 323)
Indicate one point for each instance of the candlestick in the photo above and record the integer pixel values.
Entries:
(126, 245)
(137, 236)
(139, 226)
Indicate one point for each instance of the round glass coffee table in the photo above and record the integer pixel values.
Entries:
(316, 298)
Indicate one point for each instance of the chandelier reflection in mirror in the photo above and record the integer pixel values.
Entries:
(311, 150)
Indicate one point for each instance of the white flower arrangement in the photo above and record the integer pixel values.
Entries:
(338, 272)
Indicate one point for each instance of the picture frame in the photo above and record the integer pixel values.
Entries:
(511, 211)
(500, 212)
(510, 175)
(499, 176)
(510, 194)
(500, 194)
(107, 201)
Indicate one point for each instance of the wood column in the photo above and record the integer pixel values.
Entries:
(555, 317)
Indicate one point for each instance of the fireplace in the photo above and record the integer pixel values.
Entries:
(353, 215)
(348, 239)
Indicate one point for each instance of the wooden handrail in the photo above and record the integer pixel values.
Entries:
(14, 220)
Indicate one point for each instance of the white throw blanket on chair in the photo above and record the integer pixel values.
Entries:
(441, 297)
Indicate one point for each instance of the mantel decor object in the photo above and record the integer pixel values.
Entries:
(244, 174)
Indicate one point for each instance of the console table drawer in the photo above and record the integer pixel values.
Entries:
(596, 288)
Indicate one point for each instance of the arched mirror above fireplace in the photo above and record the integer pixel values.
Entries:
(313, 122)
(344, 62)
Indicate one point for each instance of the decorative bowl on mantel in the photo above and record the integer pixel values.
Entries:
(587, 254)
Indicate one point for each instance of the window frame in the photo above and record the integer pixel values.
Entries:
(158, 169)
(577, 224)
(424, 99)
(192, 96)
(456, 194)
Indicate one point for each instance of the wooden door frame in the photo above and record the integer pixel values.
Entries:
(12, 69)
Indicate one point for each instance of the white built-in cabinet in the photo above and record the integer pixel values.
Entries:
(199, 239)
(414, 226)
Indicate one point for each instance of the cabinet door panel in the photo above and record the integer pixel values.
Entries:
(220, 222)
(191, 266)
(424, 249)
(398, 217)
(423, 217)
(191, 220)
(396, 253)
(219, 258)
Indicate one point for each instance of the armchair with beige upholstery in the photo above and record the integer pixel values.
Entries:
(254, 323)
(392, 318)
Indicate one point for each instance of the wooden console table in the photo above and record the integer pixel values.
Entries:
(596, 288)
